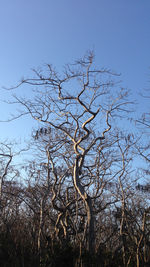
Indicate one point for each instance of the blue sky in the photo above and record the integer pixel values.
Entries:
(34, 32)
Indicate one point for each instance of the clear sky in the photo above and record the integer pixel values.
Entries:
(34, 32)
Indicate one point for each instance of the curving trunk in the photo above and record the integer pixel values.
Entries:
(89, 209)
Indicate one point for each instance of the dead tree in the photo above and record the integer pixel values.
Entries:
(80, 109)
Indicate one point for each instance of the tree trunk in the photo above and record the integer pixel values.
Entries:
(137, 258)
(89, 209)
(90, 223)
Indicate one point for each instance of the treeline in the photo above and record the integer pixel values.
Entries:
(34, 233)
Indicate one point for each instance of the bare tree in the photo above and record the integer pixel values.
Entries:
(80, 109)
(5, 161)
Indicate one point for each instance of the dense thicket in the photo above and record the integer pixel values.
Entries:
(116, 231)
